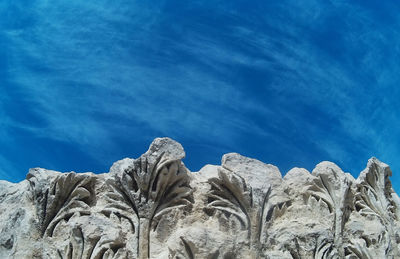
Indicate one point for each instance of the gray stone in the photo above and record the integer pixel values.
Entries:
(154, 207)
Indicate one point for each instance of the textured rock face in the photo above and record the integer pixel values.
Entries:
(154, 207)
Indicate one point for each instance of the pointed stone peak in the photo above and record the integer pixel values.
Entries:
(376, 175)
(165, 148)
(257, 173)
(169, 147)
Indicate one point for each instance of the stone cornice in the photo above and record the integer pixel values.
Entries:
(154, 207)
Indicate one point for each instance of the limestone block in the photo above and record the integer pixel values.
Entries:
(154, 207)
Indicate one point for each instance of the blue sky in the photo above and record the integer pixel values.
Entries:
(291, 83)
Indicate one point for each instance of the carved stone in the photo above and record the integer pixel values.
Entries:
(154, 207)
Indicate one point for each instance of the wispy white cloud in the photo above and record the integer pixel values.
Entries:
(94, 72)
(7, 170)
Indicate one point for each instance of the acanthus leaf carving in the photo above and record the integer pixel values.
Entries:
(232, 195)
(75, 247)
(374, 199)
(81, 246)
(68, 194)
(374, 194)
(229, 193)
(333, 187)
(148, 191)
(325, 249)
(358, 249)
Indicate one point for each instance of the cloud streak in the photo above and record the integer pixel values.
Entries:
(288, 83)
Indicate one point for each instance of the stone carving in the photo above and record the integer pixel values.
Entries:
(68, 194)
(373, 200)
(146, 191)
(332, 187)
(154, 207)
(231, 195)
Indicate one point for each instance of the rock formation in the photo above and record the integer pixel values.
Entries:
(154, 207)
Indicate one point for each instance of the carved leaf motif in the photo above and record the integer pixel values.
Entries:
(373, 194)
(374, 198)
(147, 191)
(294, 249)
(172, 190)
(150, 191)
(121, 200)
(68, 194)
(75, 247)
(359, 250)
(81, 246)
(326, 250)
(335, 197)
(107, 249)
(188, 249)
(229, 193)
(271, 210)
(120, 217)
(334, 189)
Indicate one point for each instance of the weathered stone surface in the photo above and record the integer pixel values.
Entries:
(154, 207)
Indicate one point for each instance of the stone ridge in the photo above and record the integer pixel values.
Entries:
(154, 207)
